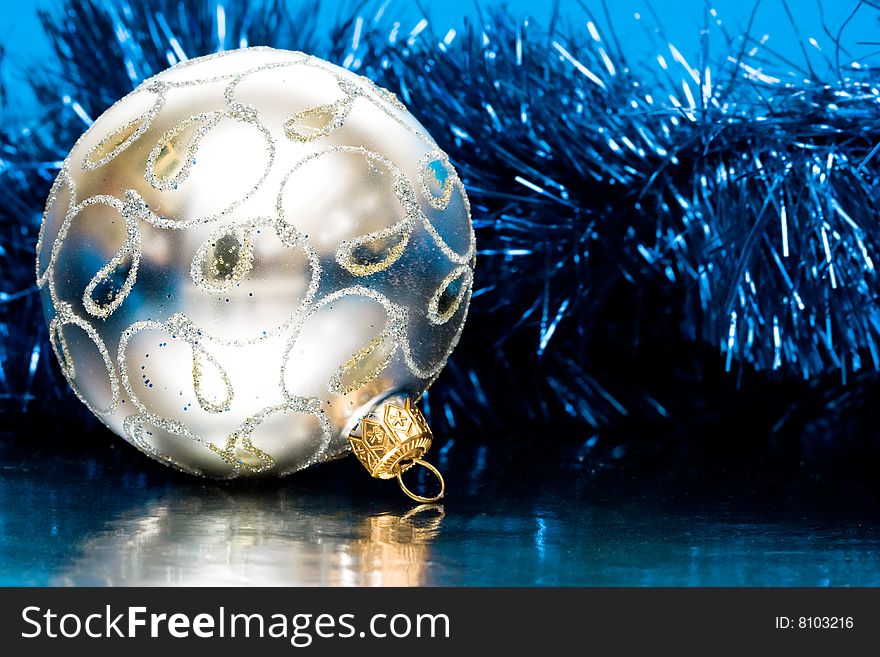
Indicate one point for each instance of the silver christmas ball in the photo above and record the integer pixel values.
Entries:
(246, 254)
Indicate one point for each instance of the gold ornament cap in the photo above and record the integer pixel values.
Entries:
(391, 439)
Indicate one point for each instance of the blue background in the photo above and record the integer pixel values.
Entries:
(681, 21)
(96, 513)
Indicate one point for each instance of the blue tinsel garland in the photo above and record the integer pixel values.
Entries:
(668, 242)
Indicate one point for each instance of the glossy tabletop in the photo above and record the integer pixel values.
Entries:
(105, 515)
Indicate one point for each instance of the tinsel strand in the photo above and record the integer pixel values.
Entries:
(642, 229)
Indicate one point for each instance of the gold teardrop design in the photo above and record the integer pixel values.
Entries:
(126, 260)
(121, 138)
(448, 296)
(376, 251)
(204, 366)
(316, 122)
(112, 145)
(365, 365)
(170, 160)
(224, 259)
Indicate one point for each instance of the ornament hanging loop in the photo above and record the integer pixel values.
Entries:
(391, 439)
(420, 498)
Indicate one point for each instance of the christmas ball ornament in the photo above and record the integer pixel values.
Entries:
(255, 262)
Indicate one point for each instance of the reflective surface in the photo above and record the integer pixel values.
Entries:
(115, 518)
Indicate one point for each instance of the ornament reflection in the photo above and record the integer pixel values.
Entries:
(219, 538)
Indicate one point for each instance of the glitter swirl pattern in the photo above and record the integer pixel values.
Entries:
(242, 255)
